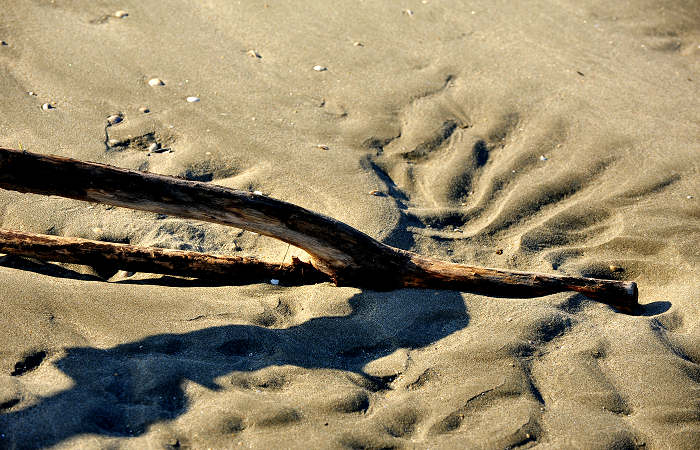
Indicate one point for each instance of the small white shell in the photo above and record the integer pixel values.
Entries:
(543, 158)
(156, 82)
(253, 54)
(318, 68)
(120, 14)
(193, 99)
(257, 192)
(322, 146)
(47, 106)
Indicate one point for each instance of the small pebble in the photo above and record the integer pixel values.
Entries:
(274, 281)
(4, 43)
(114, 119)
(192, 99)
(322, 147)
(358, 44)
(156, 82)
(257, 192)
(499, 251)
(144, 110)
(320, 68)
(543, 158)
(376, 193)
(616, 269)
(120, 14)
(31, 93)
(408, 12)
(154, 147)
(253, 54)
(47, 106)
(689, 197)
(112, 142)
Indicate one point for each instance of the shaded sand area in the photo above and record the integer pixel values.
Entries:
(549, 136)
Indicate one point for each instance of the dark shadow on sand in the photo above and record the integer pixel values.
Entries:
(121, 391)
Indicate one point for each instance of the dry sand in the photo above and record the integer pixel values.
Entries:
(553, 136)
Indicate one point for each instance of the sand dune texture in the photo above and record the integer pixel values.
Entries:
(552, 136)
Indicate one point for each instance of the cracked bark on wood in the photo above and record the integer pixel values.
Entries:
(346, 255)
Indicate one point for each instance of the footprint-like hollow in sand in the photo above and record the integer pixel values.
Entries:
(28, 363)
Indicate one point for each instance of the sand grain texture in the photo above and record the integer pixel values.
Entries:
(547, 136)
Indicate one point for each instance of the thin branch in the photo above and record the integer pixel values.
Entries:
(229, 269)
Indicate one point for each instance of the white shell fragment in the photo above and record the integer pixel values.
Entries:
(253, 54)
(154, 147)
(322, 146)
(120, 14)
(320, 68)
(156, 82)
(114, 119)
(192, 99)
(543, 158)
(257, 192)
(47, 106)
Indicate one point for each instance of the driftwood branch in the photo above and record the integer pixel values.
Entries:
(345, 255)
(228, 269)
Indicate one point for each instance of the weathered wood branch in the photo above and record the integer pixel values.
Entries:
(346, 255)
(228, 269)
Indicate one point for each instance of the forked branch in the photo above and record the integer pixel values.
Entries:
(344, 254)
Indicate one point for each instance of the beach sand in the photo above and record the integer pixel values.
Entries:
(560, 137)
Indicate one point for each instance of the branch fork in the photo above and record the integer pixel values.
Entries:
(338, 252)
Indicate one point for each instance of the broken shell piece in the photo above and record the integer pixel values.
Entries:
(154, 147)
(323, 146)
(543, 158)
(114, 119)
(358, 44)
(156, 82)
(253, 54)
(192, 99)
(47, 106)
(120, 14)
(257, 192)
(320, 68)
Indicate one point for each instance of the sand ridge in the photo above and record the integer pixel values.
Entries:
(549, 136)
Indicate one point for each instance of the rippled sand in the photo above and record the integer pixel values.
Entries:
(560, 137)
